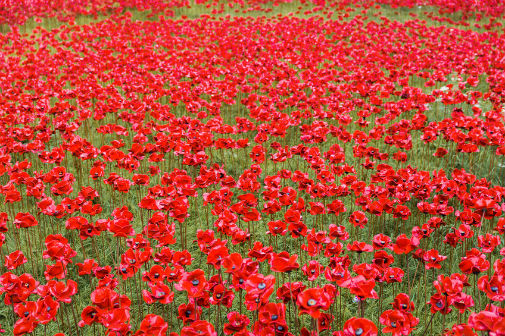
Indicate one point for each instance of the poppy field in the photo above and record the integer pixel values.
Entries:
(252, 167)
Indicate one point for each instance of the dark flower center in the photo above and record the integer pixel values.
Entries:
(358, 332)
(262, 285)
(195, 282)
(311, 302)
(274, 317)
(494, 289)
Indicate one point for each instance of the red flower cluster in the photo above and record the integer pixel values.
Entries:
(252, 175)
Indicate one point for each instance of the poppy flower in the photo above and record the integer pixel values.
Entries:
(152, 325)
(359, 327)
(290, 291)
(312, 270)
(47, 309)
(272, 314)
(312, 300)
(381, 241)
(57, 270)
(203, 328)
(439, 303)
(338, 231)
(58, 249)
(222, 296)
(277, 228)
(236, 323)
(24, 220)
(432, 259)
(461, 330)
(260, 252)
(382, 259)
(89, 315)
(25, 325)
(324, 321)
(189, 313)
(283, 262)
(260, 285)
(159, 292)
(474, 262)
(216, 255)
(488, 242)
(494, 287)
(393, 274)
(404, 245)
(359, 247)
(14, 260)
(193, 283)
(484, 321)
(358, 218)
(403, 303)
(398, 322)
(61, 291)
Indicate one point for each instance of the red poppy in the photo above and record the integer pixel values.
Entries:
(14, 260)
(439, 303)
(360, 327)
(312, 300)
(432, 259)
(358, 218)
(193, 283)
(312, 270)
(381, 241)
(403, 303)
(494, 287)
(283, 262)
(404, 245)
(359, 247)
(398, 323)
(474, 262)
(222, 296)
(290, 291)
(338, 231)
(89, 315)
(189, 312)
(159, 292)
(24, 220)
(236, 323)
(461, 330)
(203, 328)
(152, 325)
